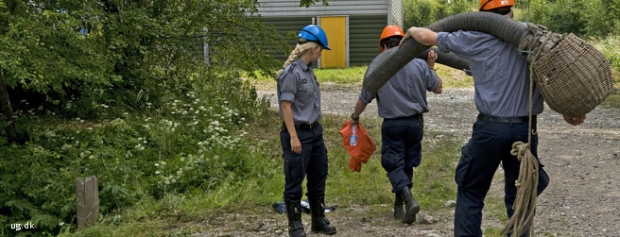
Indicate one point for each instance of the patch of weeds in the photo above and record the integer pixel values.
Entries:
(453, 78)
(346, 76)
(613, 100)
(493, 232)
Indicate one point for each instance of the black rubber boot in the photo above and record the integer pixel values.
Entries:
(319, 222)
(411, 206)
(295, 227)
(398, 207)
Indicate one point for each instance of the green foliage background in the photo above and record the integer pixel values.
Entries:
(587, 18)
(82, 54)
(595, 20)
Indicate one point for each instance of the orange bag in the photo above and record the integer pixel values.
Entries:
(364, 149)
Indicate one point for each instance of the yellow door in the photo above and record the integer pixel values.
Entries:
(336, 29)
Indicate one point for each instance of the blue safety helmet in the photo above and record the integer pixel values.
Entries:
(314, 33)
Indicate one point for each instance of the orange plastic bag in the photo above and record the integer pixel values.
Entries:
(364, 149)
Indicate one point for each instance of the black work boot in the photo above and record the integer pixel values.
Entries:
(295, 227)
(398, 207)
(411, 206)
(319, 222)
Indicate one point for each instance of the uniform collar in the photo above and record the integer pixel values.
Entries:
(303, 65)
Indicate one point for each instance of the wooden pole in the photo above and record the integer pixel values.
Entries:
(87, 201)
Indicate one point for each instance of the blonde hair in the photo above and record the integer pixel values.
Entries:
(298, 51)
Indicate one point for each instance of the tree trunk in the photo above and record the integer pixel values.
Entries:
(5, 102)
(7, 110)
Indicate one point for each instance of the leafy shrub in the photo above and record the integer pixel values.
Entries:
(191, 143)
(422, 13)
(598, 18)
(610, 50)
(95, 59)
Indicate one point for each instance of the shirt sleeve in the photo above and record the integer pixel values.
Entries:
(463, 43)
(288, 86)
(432, 80)
(366, 96)
(442, 42)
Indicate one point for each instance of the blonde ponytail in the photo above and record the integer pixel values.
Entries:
(298, 51)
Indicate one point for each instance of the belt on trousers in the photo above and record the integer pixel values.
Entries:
(302, 125)
(415, 116)
(491, 118)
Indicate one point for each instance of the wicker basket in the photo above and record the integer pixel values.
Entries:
(573, 77)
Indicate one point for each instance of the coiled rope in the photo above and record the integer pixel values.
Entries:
(524, 205)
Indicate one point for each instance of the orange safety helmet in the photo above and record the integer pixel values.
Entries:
(389, 31)
(487, 5)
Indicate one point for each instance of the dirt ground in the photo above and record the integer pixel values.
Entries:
(583, 162)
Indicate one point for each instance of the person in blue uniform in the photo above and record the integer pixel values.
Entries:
(401, 103)
(301, 136)
(501, 81)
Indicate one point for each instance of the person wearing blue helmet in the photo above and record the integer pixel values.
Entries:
(301, 135)
(314, 33)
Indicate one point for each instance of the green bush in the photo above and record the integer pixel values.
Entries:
(76, 59)
(560, 16)
(191, 143)
(609, 48)
(422, 13)
(597, 18)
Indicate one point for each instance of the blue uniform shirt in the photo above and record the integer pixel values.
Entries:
(501, 74)
(298, 84)
(405, 93)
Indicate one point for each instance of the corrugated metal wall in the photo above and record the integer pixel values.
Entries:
(366, 21)
(284, 26)
(364, 33)
(279, 8)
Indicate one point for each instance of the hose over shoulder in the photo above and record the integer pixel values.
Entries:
(386, 65)
(492, 23)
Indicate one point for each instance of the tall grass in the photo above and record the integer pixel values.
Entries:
(353, 77)
(613, 101)
(348, 76)
(189, 144)
(433, 185)
(609, 48)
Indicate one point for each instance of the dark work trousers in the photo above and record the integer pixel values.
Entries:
(401, 150)
(490, 144)
(312, 161)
